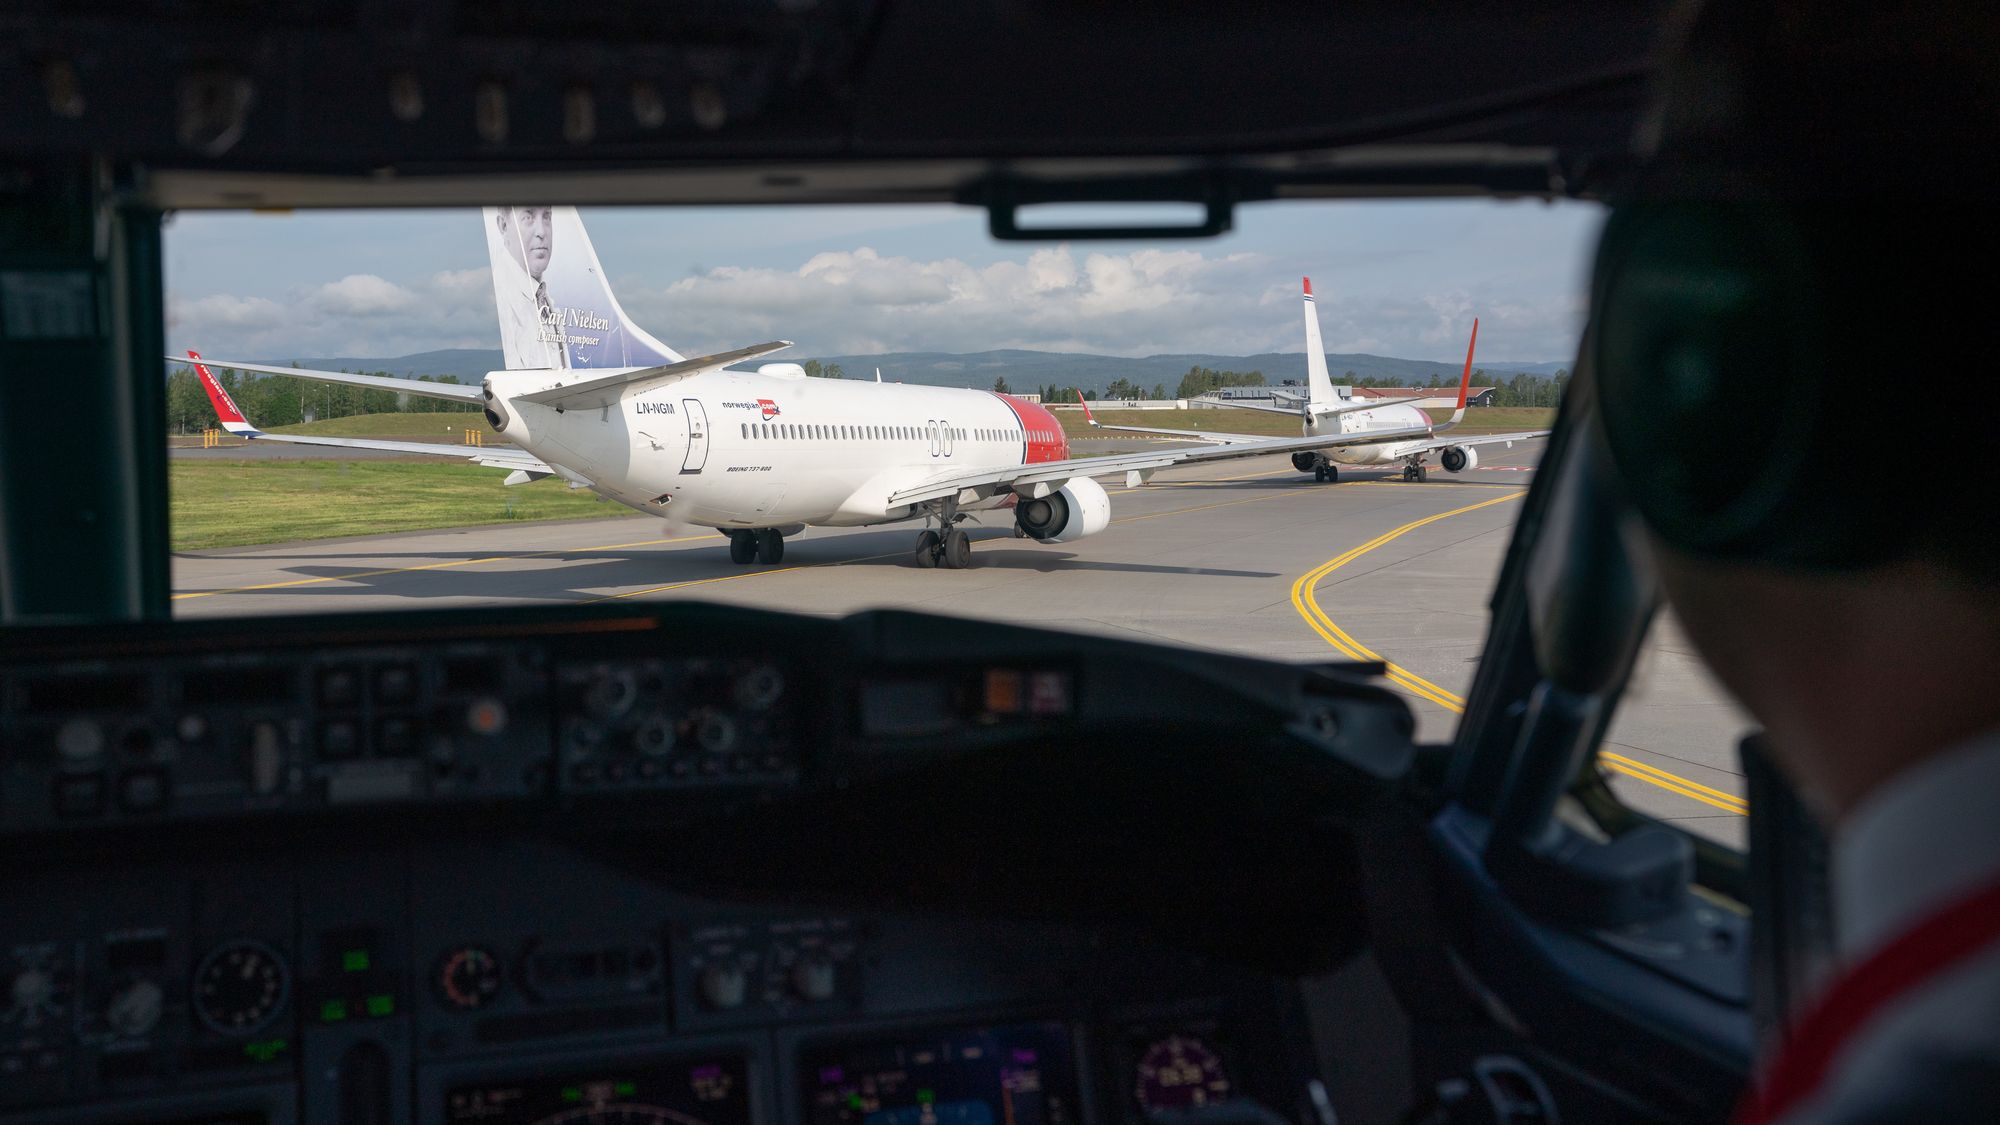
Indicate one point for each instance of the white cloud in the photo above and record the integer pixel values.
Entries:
(861, 300)
(356, 315)
(362, 294)
(225, 310)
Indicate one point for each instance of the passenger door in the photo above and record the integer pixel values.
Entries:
(697, 424)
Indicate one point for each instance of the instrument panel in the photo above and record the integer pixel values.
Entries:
(414, 874)
(483, 993)
(697, 1091)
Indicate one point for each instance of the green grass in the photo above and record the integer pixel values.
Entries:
(1501, 419)
(1482, 419)
(428, 426)
(237, 503)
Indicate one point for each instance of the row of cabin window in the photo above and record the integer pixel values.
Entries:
(786, 430)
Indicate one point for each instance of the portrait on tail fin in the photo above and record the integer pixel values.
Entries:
(556, 308)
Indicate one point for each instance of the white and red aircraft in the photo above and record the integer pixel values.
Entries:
(757, 454)
(1380, 432)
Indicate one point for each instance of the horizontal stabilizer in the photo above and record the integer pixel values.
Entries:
(602, 390)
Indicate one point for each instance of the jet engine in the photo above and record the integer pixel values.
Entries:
(1077, 509)
(496, 413)
(1305, 462)
(1458, 458)
(782, 370)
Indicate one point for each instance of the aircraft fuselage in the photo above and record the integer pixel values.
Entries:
(744, 449)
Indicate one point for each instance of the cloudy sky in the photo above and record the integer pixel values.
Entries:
(1400, 279)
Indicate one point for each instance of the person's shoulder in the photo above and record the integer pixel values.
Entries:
(1932, 1056)
(1940, 1085)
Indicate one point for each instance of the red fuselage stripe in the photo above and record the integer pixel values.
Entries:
(1035, 421)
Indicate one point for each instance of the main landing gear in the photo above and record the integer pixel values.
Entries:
(1414, 470)
(1323, 470)
(747, 546)
(950, 548)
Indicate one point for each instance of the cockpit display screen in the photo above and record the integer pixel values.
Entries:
(707, 1091)
(1019, 1075)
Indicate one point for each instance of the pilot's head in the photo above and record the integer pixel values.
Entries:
(1761, 291)
(529, 235)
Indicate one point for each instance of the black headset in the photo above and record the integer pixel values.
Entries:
(1773, 317)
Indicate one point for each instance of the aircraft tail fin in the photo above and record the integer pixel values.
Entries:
(1319, 385)
(1464, 380)
(556, 306)
(226, 412)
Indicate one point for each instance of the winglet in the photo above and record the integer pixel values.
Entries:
(878, 374)
(1465, 380)
(1087, 415)
(231, 418)
(1309, 288)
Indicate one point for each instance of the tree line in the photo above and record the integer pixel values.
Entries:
(284, 400)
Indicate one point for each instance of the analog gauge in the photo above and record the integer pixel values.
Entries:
(468, 977)
(241, 986)
(1180, 1072)
(34, 997)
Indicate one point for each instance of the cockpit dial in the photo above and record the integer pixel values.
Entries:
(1180, 1072)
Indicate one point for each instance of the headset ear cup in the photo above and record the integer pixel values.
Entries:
(1709, 341)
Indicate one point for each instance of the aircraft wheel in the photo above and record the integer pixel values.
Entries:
(1333, 474)
(1319, 473)
(742, 547)
(771, 546)
(1409, 472)
(1423, 473)
(927, 550)
(957, 550)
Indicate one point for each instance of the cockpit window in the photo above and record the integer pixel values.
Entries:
(809, 408)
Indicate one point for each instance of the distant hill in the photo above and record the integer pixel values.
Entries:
(1023, 370)
(470, 364)
(1026, 370)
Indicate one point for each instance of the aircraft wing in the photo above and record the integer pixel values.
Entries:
(1482, 439)
(1293, 411)
(602, 390)
(233, 420)
(450, 392)
(1038, 478)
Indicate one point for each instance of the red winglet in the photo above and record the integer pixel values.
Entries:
(225, 407)
(1309, 287)
(1466, 380)
(1086, 409)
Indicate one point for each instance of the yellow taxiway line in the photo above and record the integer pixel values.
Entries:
(1306, 602)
